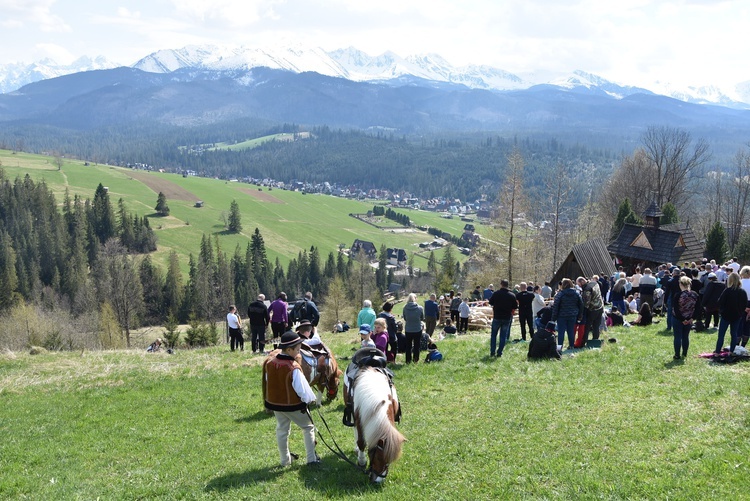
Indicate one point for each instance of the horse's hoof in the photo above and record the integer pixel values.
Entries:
(361, 465)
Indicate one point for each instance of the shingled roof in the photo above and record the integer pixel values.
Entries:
(673, 243)
(586, 259)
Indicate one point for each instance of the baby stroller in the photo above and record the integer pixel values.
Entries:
(658, 308)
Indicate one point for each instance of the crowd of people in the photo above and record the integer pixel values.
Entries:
(692, 297)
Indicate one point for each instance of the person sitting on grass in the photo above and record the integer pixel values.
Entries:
(449, 329)
(644, 317)
(433, 355)
(155, 346)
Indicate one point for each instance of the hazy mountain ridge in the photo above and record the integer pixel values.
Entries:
(353, 64)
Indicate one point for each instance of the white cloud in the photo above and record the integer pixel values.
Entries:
(29, 14)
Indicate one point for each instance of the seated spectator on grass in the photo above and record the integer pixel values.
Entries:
(155, 346)
(449, 329)
(433, 355)
(644, 317)
(616, 316)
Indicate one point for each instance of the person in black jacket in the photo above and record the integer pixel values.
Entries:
(257, 314)
(710, 302)
(525, 314)
(504, 304)
(732, 304)
(543, 344)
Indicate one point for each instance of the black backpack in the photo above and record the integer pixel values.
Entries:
(299, 312)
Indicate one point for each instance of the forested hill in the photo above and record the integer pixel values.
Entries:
(465, 167)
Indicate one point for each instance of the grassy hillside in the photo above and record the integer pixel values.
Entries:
(623, 422)
(288, 221)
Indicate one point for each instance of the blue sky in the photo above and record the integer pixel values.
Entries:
(638, 42)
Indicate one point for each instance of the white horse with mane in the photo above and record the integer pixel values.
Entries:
(376, 409)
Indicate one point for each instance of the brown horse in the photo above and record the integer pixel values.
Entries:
(375, 409)
(320, 368)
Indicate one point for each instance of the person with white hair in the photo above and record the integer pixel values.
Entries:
(366, 315)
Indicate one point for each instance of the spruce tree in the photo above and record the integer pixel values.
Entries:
(234, 223)
(716, 243)
(161, 205)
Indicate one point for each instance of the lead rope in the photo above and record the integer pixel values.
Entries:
(338, 453)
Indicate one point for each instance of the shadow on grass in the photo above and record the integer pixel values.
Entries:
(239, 480)
(252, 418)
(332, 474)
(674, 363)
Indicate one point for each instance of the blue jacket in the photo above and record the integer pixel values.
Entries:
(568, 304)
(431, 309)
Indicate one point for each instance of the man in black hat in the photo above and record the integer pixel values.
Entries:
(309, 334)
(287, 393)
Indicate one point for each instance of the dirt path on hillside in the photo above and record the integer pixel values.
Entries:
(171, 190)
(263, 196)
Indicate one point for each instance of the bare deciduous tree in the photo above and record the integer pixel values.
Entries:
(736, 196)
(675, 158)
(120, 284)
(513, 200)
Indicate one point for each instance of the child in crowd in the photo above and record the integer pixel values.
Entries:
(364, 334)
(463, 316)
(449, 329)
(433, 355)
(380, 335)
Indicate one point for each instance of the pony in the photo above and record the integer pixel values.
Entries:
(376, 409)
(320, 368)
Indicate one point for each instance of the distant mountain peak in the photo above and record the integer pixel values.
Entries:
(354, 64)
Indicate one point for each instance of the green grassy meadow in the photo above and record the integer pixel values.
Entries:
(622, 422)
(289, 221)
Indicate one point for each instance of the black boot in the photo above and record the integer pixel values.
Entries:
(348, 419)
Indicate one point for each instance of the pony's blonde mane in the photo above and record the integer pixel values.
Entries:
(373, 396)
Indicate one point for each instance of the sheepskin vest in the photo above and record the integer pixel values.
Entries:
(280, 396)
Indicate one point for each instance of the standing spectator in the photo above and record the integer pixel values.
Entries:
(380, 335)
(635, 280)
(617, 294)
(735, 265)
(413, 317)
(431, 314)
(672, 290)
(366, 314)
(236, 340)
(463, 314)
(683, 308)
(279, 315)
(390, 323)
(487, 293)
(546, 291)
(476, 294)
(504, 304)
(732, 304)
(604, 286)
(710, 302)
(455, 303)
(525, 299)
(307, 309)
(537, 304)
(647, 287)
(258, 318)
(287, 393)
(566, 311)
(594, 305)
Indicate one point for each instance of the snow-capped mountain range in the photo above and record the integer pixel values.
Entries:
(355, 65)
